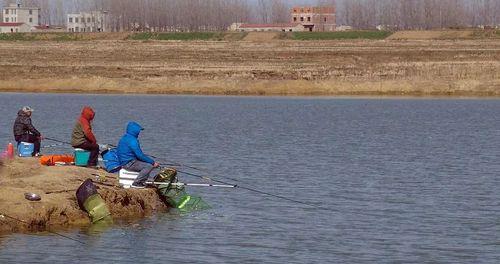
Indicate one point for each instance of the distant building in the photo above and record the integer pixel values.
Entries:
(17, 18)
(343, 28)
(288, 27)
(94, 21)
(14, 27)
(320, 18)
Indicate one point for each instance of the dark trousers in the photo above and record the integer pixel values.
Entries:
(28, 138)
(94, 151)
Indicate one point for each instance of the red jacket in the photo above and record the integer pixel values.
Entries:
(85, 119)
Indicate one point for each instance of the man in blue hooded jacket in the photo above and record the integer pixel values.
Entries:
(133, 159)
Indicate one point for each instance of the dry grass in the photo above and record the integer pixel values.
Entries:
(437, 67)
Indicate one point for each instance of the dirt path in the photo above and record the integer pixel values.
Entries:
(261, 36)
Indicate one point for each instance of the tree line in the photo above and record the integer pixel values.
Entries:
(419, 14)
(217, 15)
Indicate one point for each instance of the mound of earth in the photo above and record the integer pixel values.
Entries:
(58, 206)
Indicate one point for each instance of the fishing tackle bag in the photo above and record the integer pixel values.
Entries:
(111, 160)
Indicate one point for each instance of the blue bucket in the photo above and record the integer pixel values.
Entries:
(25, 149)
(81, 157)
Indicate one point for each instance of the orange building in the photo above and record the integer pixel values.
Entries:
(320, 18)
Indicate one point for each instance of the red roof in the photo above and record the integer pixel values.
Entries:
(269, 25)
(10, 24)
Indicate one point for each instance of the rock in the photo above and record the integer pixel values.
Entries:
(58, 206)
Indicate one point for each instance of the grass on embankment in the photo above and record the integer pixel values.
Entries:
(213, 36)
(336, 35)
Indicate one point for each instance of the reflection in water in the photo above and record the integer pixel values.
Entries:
(99, 227)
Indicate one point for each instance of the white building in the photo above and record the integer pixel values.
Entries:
(94, 21)
(19, 19)
(285, 27)
(14, 27)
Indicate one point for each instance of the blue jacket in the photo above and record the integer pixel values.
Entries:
(129, 148)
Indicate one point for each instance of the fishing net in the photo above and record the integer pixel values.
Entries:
(89, 200)
(176, 196)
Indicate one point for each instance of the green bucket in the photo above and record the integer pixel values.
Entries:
(81, 157)
(96, 208)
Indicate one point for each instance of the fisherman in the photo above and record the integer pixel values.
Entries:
(133, 159)
(24, 131)
(83, 137)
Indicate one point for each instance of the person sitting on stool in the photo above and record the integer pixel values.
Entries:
(133, 159)
(83, 137)
(24, 131)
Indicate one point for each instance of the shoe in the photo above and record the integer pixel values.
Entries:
(138, 186)
(38, 154)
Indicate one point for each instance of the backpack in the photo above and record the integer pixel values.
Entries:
(111, 160)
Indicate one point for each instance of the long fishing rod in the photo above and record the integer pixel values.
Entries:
(193, 184)
(250, 189)
(219, 181)
(52, 232)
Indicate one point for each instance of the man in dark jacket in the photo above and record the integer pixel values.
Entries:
(133, 159)
(24, 131)
(83, 137)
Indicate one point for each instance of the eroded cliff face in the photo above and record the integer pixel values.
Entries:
(357, 67)
(58, 206)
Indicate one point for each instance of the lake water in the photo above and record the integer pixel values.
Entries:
(392, 180)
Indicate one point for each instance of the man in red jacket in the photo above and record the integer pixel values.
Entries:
(82, 136)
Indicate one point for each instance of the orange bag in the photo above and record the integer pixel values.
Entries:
(51, 160)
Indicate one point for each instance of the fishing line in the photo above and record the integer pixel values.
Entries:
(251, 189)
(218, 181)
(52, 232)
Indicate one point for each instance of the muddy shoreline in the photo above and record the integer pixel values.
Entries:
(58, 208)
(276, 68)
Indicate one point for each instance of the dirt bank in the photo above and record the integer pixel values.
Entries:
(354, 67)
(57, 187)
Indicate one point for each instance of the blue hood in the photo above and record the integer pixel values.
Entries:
(134, 129)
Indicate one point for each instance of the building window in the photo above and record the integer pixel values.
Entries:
(301, 19)
(88, 19)
(294, 19)
(76, 19)
(93, 19)
(6, 20)
(6, 11)
(31, 12)
(31, 20)
(325, 19)
(77, 29)
(70, 20)
(309, 19)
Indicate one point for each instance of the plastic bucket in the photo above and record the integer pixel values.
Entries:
(81, 157)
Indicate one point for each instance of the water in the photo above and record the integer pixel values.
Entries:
(394, 180)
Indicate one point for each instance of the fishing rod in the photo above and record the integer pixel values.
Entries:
(193, 184)
(52, 232)
(250, 189)
(218, 181)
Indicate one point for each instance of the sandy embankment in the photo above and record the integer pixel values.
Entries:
(355, 67)
(57, 187)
